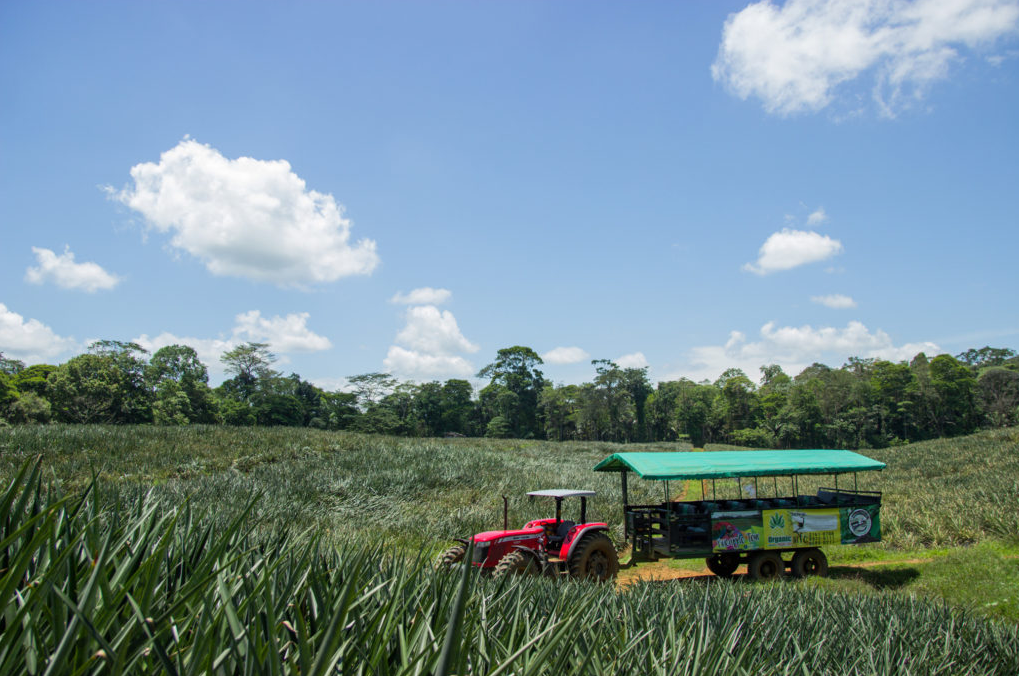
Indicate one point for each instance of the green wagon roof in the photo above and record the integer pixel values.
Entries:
(721, 464)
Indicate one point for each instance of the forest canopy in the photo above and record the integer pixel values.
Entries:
(864, 403)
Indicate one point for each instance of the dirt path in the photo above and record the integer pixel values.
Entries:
(660, 571)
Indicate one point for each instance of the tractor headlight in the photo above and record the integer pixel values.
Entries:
(480, 553)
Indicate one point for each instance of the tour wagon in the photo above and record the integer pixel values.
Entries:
(748, 527)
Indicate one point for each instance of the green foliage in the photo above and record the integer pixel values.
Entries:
(105, 385)
(33, 378)
(515, 371)
(30, 409)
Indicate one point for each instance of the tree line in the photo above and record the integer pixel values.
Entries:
(864, 403)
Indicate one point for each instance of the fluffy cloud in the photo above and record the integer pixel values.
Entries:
(423, 296)
(793, 57)
(429, 346)
(637, 360)
(65, 273)
(791, 248)
(795, 348)
(421, 366)
(432, 331)
(31, 341)
(284, 335)
(246, 218)
(835, 301)
(565, 355)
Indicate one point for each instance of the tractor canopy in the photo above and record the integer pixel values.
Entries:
(684, 465)
(560, 493)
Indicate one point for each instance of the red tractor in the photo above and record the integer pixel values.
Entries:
(547, 546)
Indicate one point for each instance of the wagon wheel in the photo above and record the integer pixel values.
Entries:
(452, 556)
(766, 566)
(810, 562)
(594, 559)
(723, 565)
(515, 563)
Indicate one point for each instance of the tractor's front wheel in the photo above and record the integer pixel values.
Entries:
(515, 563)
(722, 565)
(451, 557)
(594, 559)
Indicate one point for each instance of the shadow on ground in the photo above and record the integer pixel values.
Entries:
(878, 578)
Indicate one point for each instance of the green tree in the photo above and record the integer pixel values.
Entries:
(998, 394)
(250, 364)
(30, 408)
(515, 369)
(457, 406)
(33, 379)
(339, 409)
(175, 371)
(87, 389)
(986, 357)
(370, 388)
(8, 395)
(737, 405)
(694, 404)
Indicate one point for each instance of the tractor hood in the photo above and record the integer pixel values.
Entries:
(496, 535)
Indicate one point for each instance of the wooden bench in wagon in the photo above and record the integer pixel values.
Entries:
(750, 528)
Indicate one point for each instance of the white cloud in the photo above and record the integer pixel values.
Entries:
(791, 248)
(793, 57)
(31, 341)
(565, 355)
(65, 273)
(835, 300)
(817, 217)
(424, 296)
(432, 331)
(284, 335)
(416, 365)
(637, 360)
(429, 346)
(246, 218)
(795, 348)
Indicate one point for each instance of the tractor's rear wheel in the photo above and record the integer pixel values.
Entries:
(594, 558)
(810, 562)
(515, 563)
(766, 566)
(723, 565)
(452, 556)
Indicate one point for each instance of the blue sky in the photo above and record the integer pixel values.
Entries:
(413, 186)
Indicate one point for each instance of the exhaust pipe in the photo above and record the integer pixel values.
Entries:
(505, 513)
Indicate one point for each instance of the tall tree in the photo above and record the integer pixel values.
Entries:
(250, 364)
(180, 382)
(370, 388)
(515, 369)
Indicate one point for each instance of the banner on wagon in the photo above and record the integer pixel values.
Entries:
(800, 527)
(736, 531)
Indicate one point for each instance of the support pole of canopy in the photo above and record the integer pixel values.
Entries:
(626, 502)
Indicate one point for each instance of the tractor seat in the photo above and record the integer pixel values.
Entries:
(563, 529)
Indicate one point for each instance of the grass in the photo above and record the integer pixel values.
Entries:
(420, 492)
